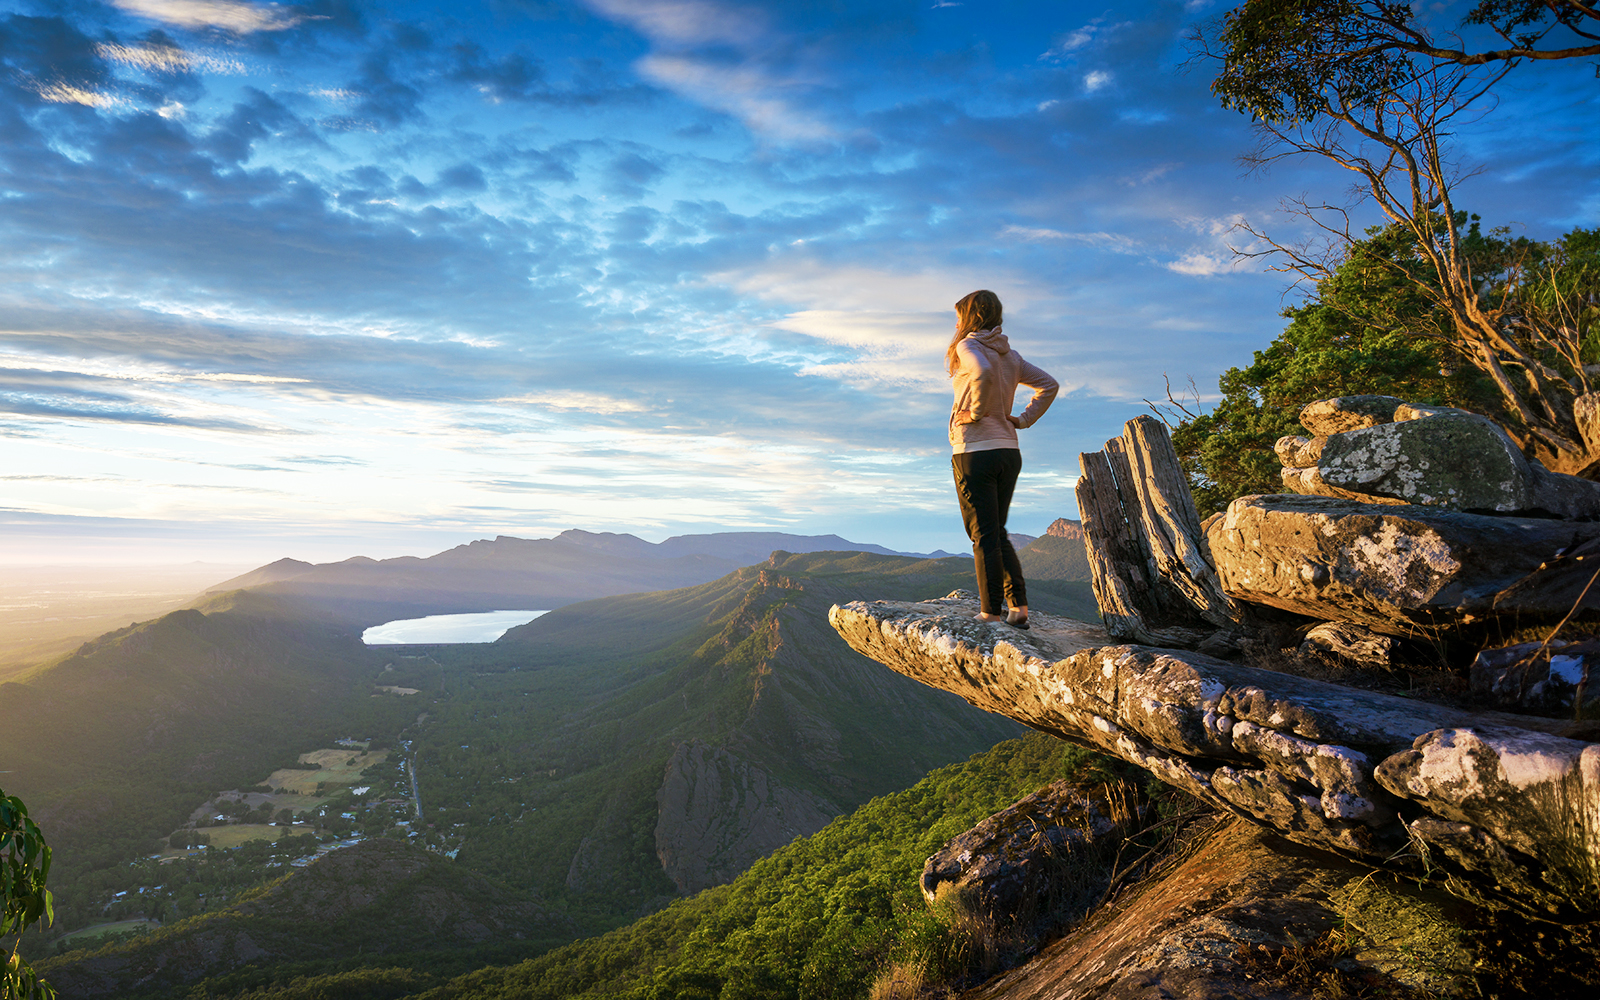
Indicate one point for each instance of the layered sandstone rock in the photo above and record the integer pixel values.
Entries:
(1365, 774)
(1352, 643)
(1398, 569)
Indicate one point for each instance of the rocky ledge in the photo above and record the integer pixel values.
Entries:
(1511, 802)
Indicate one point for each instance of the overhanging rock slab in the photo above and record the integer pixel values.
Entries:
(1365, 774)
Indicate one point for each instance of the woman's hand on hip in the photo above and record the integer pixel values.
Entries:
(1015, 421)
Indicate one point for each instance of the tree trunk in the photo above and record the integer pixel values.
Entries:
(1148, 560)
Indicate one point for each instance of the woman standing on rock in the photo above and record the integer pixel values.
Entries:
(985, 372)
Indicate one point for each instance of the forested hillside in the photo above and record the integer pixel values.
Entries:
(115, 744)
(821, 917)
(616, 752)
(604, 760)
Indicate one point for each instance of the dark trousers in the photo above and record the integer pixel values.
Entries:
(985, 481)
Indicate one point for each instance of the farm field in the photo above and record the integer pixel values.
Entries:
(295, 790)
(114, 927)
(224, 837)
(337, 769)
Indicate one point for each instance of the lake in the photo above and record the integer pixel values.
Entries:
(485, 626)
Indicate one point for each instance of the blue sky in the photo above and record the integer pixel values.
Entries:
(345, 277)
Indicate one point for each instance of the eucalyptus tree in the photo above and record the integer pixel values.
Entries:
(24, 867)
(1373, 88)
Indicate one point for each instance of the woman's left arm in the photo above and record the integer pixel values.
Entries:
(1044, 392)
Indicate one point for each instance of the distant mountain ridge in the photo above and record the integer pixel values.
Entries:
(543, 573)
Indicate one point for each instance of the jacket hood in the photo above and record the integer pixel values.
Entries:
(994, 340)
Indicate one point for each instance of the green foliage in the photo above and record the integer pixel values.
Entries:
(24, 900)
(1281, 57)
(1370, 329)
(1287, 60)
(817, 919)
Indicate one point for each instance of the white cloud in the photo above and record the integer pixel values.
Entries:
(167, 59)
(1096, 80)
(232, 15)
(685, 22)
(574, 400)
(749, 90)
(1074, 40)
(1109, 241)
(1079, 39)
(66, 93)
(1202, 264)
(746, 92)
(128, 371)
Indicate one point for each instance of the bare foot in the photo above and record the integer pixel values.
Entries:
(984, 616)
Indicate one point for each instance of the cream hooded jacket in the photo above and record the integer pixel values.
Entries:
(985, 383)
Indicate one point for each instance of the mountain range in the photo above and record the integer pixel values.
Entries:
(534, 573)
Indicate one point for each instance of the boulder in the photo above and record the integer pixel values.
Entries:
(1011, 864)
(1348, 413)
(1308, 481)
(1457, 460)
(1377, 448)
(1299, 453)
(1327, 766)
(1552, 677)
(1403, 570)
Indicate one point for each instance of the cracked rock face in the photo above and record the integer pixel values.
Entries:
(1012, 861)
(1397, 569)
(1365, 774)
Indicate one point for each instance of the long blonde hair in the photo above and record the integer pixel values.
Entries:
(978, 311)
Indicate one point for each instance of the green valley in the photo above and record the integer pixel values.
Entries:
(821, 917)
(606, 759)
